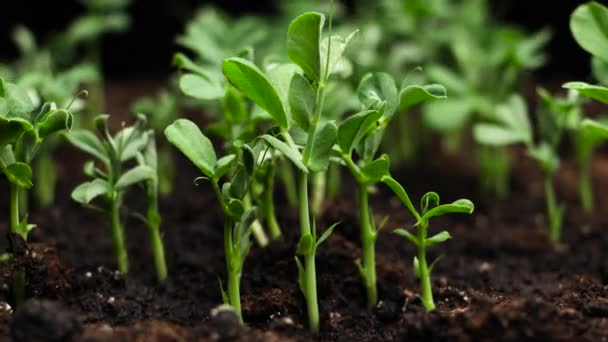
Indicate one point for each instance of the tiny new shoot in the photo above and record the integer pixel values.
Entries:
(113, 179)
(429, 208)
(238, 219)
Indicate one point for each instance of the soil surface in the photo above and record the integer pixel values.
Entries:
(499, 277)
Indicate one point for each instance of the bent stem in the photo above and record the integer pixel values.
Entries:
(585, 188)
(118, 237)
(368, 240)
(310, 273)
(423, 269)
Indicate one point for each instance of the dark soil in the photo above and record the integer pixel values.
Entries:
(499, 278)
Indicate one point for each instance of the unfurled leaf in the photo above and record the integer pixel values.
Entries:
(401, 194)
(293, 155)
(303, 43)
(595, 92)
(375, 170)
(301, 101)
(448, 115)
(512, 125)
(249, 80)
(354, 128)
(402, 232)
(16, 102)
(199, 87)
(324, 140)
(463, 206)
(86, 192)
(188, 138)
(438, 238)
(377, 90)
(55, 121)
(223, 165)
(136, 175)
(12, 129)
(338, 46)
(414, 95)
(326, 234)
(589, 26)
(20, 174)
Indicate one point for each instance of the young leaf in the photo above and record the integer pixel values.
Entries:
(414, 95)
(338, 45)
(200, 87)
(378, 89)
(438, 238)
(429, 201)
(20, 174)
(301, 276)
(293, 155)
(303, 43)
(189, 139)
(324, 140)
(55, 121)
(239, 184)
(326, 234)
(416, 267)
(234, 106)
(512, 125)
(589, 26)
(306, 245)
(17, 102)
(460, 206)
(86, 192)
(402, 232)
(235, 208)
(250, 80)
(354, 128)
(136, 175)
(223, 165)
(301, 101)
(375, 170)
(12, 129)
(546, 157)
(595, 92)
(400, 192)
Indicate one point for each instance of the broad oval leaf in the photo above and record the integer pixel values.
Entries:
(303, 43)
(589, 26)
(377, 90)
(415, 94)
(437, 238)
(324, 139)
(448, 115)
(375, 170)
(89, 143)
(301, 101)
(595, 92)
(55, 121)
(188, 138)
(293, 155)
(12, 129)
(18, 103)
(20, 174)
(200, 87)
(249, 79)
(136, 175)
(354, 128)
(463, 206)
(86, 192)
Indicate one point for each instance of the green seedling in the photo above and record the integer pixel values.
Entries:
(591, 134)
(512, 126)
(113, 178)
(429, 208)
(188, 138)
(359, 137)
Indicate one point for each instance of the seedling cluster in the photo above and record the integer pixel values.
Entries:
(296, 115)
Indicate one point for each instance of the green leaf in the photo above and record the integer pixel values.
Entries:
(324, 140)
(234, 106)
(301, 101)
(402, 232)
(20, 174)
(354, 128)
(338, 46)
(377, 90)
(183, 62)
(415, 94)
(200, 87)
(54, 122)
(326, 234)
(239, 184)
(235, 208)
(448, 115)
(293, 155)
(248, 79)
(188, 138)
(438, 238)
(12, 129)
(416, 267)
(248, 159)
(136, 175)
(589, 26)
(17, 102)
(306, 245)
(463, 206)
(303, 43)
(2, 87)
(429, 201)
(512, 125)
(590, 134)
(595, 92)
(545, 156)
(375, 170)
(223, 165)
(400, 192)
(86, 192)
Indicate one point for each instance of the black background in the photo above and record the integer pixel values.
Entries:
(147, 48)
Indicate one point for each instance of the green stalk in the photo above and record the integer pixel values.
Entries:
(118, 237)
(233, 272)
(585, 188)
(319, 188)
(423, 269)
(310, 273)
(368, 241)
(156, 241)
(14, 207)
(18, 275)
(286, 172)
(333, 180)
(271, 217)
(553, 212)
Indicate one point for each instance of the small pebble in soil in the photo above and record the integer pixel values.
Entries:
(44, 320)
(224, 323)
(5, 307)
